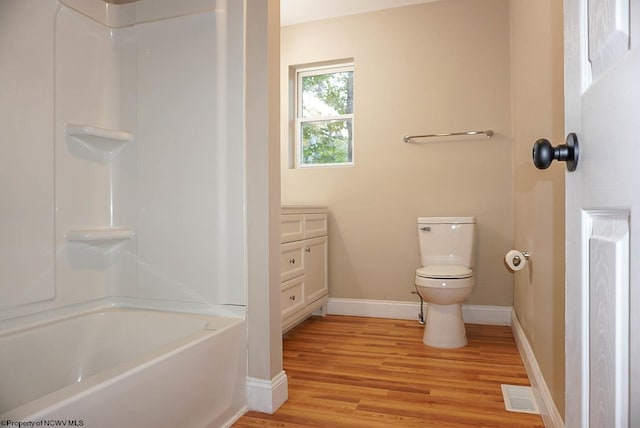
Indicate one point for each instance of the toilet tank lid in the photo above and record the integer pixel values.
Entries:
(446, 220)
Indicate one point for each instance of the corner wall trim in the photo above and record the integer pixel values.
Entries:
(266, 396)
(548, 410)
(474, 314)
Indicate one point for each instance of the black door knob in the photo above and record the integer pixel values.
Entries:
(544, 153)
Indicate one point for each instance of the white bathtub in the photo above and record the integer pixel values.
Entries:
(125, 368)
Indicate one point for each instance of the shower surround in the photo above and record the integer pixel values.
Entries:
(124, 174)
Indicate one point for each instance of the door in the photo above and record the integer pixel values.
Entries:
(602, 106)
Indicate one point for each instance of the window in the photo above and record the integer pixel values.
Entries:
(324, 116)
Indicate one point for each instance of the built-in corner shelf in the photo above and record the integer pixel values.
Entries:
(104, 140)
(99, 237)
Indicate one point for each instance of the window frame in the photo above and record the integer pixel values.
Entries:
(300, 73)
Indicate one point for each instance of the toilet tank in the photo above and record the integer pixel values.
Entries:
(446, 240)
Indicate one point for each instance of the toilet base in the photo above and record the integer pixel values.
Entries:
(444, 327)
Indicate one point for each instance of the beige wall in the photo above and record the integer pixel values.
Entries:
(435, 67)
(262, 98)
(538, 112)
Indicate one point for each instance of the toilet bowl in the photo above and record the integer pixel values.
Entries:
(445, 278)
(444, 325)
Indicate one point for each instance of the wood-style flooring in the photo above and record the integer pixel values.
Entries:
(369, 372)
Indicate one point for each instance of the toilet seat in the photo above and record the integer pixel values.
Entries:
(444, 283)
(444, 272)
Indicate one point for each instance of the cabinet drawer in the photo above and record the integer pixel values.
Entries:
(291, 227)
(291, 298)
(291, 260)
(315, 225)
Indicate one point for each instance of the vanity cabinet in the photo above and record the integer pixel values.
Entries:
(303, 262)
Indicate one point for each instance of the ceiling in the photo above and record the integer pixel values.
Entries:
(298, 11)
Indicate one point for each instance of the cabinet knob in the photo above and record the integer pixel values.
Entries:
(308, 250)
(292, 261)
(292, 298)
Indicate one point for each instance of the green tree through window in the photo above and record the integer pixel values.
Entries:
(325, 116)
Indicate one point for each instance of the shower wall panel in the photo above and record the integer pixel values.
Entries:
(95, 183)
(190, 171)
(26, 165)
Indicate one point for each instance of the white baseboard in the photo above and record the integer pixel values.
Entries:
(474, 314)
(492, 315)
(266, 396)
(548, 410)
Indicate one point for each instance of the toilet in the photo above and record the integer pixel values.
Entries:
(445, 278)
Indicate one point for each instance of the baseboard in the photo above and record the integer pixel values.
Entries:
(267, 395)
(492, 315)
(474, 314)
(548, 410)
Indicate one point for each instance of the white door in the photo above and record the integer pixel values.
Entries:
(602, 106)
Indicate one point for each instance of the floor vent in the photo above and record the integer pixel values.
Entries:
(519, 399)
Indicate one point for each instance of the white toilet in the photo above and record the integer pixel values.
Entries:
(445, 278)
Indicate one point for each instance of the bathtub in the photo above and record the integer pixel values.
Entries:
(124, 368)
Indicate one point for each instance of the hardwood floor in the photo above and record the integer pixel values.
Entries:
(369, 372)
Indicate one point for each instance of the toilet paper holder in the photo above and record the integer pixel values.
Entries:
(517, 260)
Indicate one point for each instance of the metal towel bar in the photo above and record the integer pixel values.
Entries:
(488, 133)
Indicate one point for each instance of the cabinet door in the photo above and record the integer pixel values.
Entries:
(291, 260)
(315, 260)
